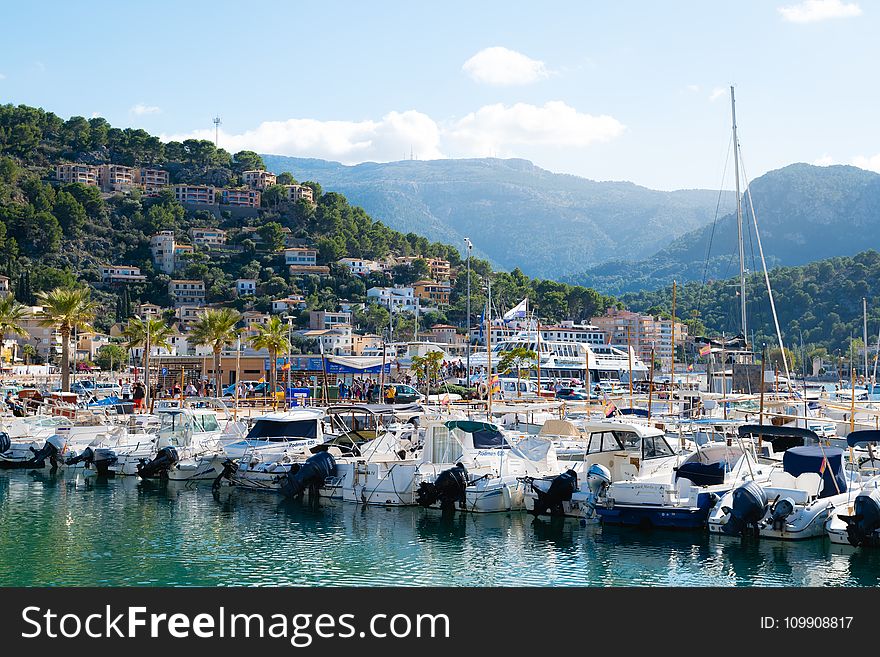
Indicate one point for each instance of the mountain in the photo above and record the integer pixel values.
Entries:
(516, 214)
(819, 303)
(804, 212)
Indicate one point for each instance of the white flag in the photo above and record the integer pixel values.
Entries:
(518, 311)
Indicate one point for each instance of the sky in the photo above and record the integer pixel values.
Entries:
(619, 90)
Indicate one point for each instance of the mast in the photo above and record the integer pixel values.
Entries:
(739, 220)
(489, 350)
(865, 334)
(538, 324)
(672, 375)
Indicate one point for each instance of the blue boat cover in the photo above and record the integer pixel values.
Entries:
(702, 474)
(863, 437)
(799, 460)
(638, 412)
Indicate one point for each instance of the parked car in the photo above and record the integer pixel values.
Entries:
(406, 394)
(261, 389)
(572, 394)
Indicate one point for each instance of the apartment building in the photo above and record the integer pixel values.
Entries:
(113, 274)
(85, 174)
(439, 268)
(300, 256)
(643, 332)
(116, 178)
(360, 266)
(203, 194)
(322, 319)
(148, 310)
(289, 304)
(245, 287)
(187, 292)
(433, 292)
(151, 180)
(242, 198)
(168, 255)
(297, 192)
(4, 286)
(188, 313)
(336, 341)
(208, 238)
(258, 179)
(394, 298)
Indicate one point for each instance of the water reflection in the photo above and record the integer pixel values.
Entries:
(64, 528)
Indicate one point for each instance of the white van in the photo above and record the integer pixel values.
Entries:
(509, 385)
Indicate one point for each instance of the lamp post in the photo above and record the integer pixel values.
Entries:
(289, 355)
(470, 247)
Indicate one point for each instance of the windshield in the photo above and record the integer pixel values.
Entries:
(656, 447)
(206, 422)
(274, 430)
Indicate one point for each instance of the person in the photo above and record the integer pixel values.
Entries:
(139, 394)
(125, 390)
(390, 393)
(191, 390)
(342, 390)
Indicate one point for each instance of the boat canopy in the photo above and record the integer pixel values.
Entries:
(863, 437)
(484, 434)
(799, 460)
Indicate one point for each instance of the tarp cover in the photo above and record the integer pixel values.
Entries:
(799, 460)
(863, 437)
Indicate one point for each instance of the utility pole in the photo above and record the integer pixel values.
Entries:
(217, 123)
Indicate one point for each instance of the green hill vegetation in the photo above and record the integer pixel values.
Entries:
(55, 234)
(819, 304)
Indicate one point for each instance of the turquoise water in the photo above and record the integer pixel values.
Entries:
(68, 531)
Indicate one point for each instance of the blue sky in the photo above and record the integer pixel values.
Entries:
(607, 90)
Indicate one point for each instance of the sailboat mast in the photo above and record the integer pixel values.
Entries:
(739, 220)
(865, 334)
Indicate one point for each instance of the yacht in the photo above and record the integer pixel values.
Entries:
(274, 434)
(567, 360)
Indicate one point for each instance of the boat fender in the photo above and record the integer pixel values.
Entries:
(164, 460)
(449, 487)
(310, 475)
(560, 490)
(749, 508)
(5, 442)
(865, 521)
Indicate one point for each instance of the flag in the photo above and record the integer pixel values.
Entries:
(690, 367)
(705, 350)
(285, 367)
(494, 384)
(610, 409)
(824, 463)
(518, 311)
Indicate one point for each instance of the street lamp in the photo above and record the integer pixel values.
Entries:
(289, 356)
(470, 247)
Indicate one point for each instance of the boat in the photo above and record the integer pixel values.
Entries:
(859, 524)
(626, 451)
(274, 434)
(797, 500)
(683, 501)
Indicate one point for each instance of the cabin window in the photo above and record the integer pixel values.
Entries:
(207, 423)
(656, 447)
(603, 442)
(488, 439)
(629, 439)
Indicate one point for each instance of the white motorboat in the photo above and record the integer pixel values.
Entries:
(859, 524)
(797, 500)
(275, 434)
(627, 451)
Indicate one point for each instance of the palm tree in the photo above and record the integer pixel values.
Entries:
(217, 328)
(520, 358)
(12, 314)
(67, 309)
(29, 352)
(149, 333)
(272, 336)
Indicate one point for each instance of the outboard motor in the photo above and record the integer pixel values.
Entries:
(5, 442)
(598, 478)
(165, 459)
(53, 447)
(782, 508)
(103, 460)
(449, 487)
(749, 508)
(861, 526)
(312, 475)
(560, 490)
(230, 467)
(86, 456)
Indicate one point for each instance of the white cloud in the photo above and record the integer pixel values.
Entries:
(694, 88)
(871, 163)
(501, 129)
(813, 11)
(825, 161)
(387, 139)
(506, 131)
(503, 67)
(141, 109)
(717, 93)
